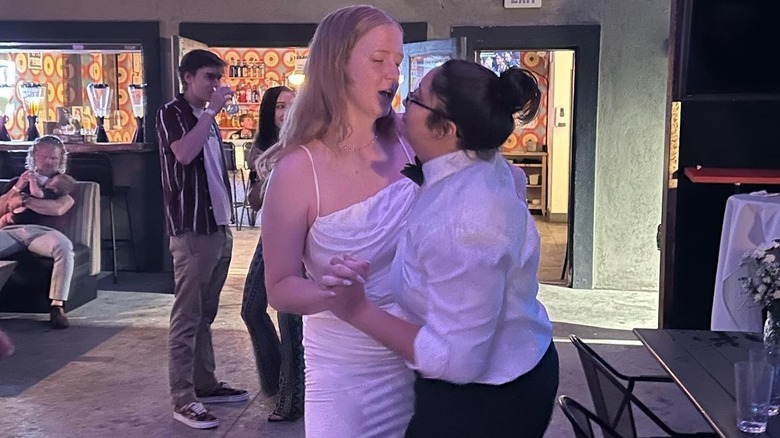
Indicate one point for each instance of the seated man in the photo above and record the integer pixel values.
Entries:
(45, 159)
(59, 185)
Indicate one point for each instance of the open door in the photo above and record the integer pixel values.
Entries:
(422, 57)
(179, 47)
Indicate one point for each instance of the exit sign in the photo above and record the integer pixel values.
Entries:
(522, 4)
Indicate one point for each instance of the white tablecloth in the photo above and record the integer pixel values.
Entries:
(749, 221)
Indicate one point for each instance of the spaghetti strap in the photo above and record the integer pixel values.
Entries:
(316, 183)
(405, 147)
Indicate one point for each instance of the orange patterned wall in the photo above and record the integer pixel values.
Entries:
(279, 62)
(67, 86)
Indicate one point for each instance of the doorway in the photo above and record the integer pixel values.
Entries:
(582, 41)
(542, 149)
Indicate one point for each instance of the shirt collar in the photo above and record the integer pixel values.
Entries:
(183, 105)
(445, 165)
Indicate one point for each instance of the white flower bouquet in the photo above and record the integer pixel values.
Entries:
(763, 282)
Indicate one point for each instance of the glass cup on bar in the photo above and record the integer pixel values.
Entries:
(753, 384)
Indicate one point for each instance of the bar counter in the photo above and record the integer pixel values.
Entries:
(135, 166)
(85, 147)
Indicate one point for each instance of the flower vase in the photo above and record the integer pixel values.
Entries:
(772, 353)
(772, 327)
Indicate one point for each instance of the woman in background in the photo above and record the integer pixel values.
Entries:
(273, 108)
(279, 364)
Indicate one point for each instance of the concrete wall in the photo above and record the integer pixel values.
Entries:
(632, 91)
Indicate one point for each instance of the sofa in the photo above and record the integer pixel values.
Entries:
(27, 289)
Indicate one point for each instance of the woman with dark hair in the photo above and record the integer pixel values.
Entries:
(279, 364)
(465, 271)
(273, 109)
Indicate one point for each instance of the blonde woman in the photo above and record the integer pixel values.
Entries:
(336, 186)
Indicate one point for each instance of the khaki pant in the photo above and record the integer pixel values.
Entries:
(200, 267)
(46, 242)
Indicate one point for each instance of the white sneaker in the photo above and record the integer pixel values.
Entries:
(195, 415)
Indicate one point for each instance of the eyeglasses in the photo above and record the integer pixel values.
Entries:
(411, 98)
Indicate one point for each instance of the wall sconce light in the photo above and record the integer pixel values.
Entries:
(297, 77)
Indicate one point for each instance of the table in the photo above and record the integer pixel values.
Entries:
(749, 220)
(702, 364)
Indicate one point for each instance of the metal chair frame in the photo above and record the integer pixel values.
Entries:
(597, 370)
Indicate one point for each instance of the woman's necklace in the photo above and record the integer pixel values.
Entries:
(346, 149)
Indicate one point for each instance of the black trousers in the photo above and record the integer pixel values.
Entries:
(520, 408)
(279, 362)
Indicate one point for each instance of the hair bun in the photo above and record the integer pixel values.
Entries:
(520, 93)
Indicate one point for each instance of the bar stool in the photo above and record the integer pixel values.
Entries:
(97, 167)
(251, 214)
(229, 150)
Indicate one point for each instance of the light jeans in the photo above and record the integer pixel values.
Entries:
(46, 242)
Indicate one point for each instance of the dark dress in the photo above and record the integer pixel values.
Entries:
(279, 364)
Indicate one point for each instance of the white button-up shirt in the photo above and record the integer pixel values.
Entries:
(214, 162)
(466, 268)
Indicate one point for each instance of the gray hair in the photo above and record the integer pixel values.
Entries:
(49, 140)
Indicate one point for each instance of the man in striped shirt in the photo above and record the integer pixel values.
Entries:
(196, 194)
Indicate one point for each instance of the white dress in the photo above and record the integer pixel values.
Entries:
(355, 387)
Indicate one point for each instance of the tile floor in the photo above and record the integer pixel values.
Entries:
(107, 375)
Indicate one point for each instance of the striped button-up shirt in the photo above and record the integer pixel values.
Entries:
(185, 187)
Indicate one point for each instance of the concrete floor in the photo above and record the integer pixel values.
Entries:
(107, 374)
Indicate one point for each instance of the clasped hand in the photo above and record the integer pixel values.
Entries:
(25, 178)
(346, 279)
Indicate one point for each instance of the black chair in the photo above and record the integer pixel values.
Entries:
(97, 167)
(614, 401)
(582, 420)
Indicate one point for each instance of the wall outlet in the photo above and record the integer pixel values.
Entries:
(560, 117)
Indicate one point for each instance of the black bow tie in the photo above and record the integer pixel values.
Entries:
(414, 171)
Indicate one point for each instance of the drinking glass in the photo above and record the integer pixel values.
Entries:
(753, 381)
(771, 355)
(231, 106)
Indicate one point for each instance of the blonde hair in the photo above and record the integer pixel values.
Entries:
(320, 105)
